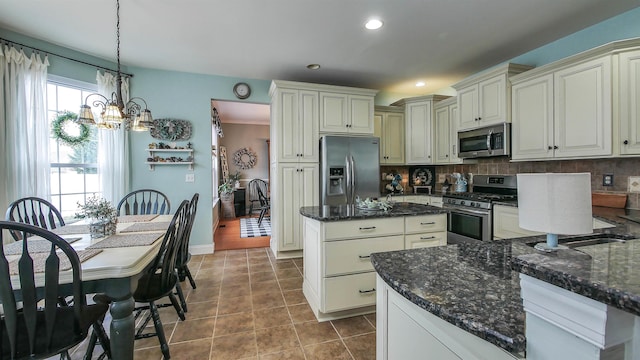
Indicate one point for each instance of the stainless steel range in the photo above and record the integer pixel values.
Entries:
(471, 213)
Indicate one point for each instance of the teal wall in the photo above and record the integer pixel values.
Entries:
(187, 96)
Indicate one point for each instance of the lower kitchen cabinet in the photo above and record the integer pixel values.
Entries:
(293, 186)
(405, 331)
(339, 279)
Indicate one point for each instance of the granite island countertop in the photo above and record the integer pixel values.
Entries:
(476, 286)
(351, 212)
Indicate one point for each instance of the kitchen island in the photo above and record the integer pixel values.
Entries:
(464, 301)
(339, 280)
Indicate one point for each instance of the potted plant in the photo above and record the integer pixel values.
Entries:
(235, 179)
(103, 216)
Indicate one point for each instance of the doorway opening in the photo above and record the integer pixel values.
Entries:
(242, 139)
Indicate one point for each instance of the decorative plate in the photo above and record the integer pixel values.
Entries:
(245, 158)
(171, 129)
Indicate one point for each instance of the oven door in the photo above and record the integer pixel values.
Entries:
(468, 225)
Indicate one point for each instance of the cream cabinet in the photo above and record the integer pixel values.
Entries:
(293, 186)
(419, 128)
(421, 199)
(425, 231)
(294, 124)
(485, 98)
(563, 113)
(388, 125)
(446, 132)
(339, 280)
(347, 113)
(629, 67)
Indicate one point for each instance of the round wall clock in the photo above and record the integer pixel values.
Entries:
(242, 90)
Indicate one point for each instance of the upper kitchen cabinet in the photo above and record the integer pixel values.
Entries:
(485, 98)
(388, 124)
(629, 103)
(446, 132)
(294, 122)
(564, 110)
(347, 112)
(418, 116)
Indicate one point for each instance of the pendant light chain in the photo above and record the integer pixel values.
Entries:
(119, 75)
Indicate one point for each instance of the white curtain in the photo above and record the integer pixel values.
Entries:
(24, 127)
(113, 147)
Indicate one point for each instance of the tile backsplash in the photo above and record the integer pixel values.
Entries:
(621, 169)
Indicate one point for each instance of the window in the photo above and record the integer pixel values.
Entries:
(74, 170)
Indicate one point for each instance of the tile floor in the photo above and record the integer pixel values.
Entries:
(250, 306)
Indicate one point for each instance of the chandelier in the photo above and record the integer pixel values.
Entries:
(114, 112)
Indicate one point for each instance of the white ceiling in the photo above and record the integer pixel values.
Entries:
(235, 112)
(436, 41)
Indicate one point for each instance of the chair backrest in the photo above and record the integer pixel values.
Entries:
(144, 202)
(264, 201)
(164, 263)
(26, 326)
(254, 186)
(34, 211)
(183, 255)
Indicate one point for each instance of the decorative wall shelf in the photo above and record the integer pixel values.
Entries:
(167, 159)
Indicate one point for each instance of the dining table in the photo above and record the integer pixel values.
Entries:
(112, 266)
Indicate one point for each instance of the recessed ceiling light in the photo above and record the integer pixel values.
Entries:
(313, 66)
(420, 84)
(373, 24)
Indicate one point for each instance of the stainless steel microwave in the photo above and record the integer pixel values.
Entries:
(494, 140)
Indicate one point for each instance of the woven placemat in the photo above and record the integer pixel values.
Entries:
(127, 240)
(146, 226)
(71, 229)
(39, 260)
(35, 246)
(136, 218)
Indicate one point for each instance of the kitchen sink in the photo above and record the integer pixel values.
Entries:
(578, 242)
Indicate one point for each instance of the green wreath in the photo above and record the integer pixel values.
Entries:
(60, 133)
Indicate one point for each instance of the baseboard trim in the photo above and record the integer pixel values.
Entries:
(201, 249)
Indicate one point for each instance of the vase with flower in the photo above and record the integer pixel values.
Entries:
(103, 217)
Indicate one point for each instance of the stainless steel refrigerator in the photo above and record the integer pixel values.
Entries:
(349, 167)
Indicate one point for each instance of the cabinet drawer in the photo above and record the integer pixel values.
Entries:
(349, 291)
(349, 256)
(416, 241)
(425, 223)
(363, 228)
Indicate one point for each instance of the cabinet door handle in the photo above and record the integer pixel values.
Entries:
(626, 142)
(364, 256)
(367, 228)
(555, 147)
(367, 291)
(549, 147)
(428, 223)
(427, 237)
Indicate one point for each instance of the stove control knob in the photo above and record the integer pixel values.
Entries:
(463, 202)
(474, 204)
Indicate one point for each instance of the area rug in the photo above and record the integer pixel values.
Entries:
(249, 227)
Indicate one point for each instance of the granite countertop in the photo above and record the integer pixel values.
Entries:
(471, 286)
(351, 212)
(459, 283)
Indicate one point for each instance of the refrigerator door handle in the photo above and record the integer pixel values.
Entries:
(348, 175)
(353, 179)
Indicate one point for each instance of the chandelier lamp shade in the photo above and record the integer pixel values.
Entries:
(114, 112)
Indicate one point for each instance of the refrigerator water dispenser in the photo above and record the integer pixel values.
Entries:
(336, 181)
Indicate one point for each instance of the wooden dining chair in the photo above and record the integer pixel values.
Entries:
(158, 281)
(144, 202)
(32, 324)
(183, 255)
(265, 206)
(34, 211)
(255, 185)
